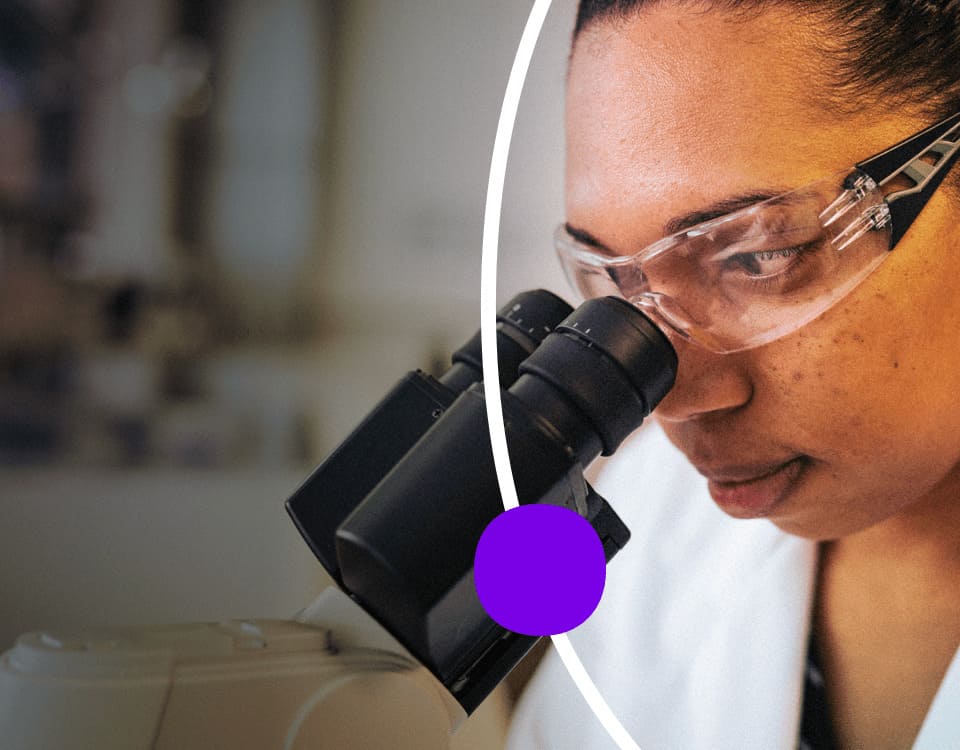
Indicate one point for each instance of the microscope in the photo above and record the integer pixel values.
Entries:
(400, 650)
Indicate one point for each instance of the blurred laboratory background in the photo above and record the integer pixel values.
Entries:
(227, 227)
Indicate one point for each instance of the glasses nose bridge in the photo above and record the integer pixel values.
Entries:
(631, 277)
(670, 317)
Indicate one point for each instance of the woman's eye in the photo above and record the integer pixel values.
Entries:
(766, 262)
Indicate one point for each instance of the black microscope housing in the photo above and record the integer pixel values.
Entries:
(395, 513)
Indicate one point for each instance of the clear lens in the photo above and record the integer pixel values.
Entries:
(752, 276)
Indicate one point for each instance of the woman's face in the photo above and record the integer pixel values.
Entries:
(853, 419)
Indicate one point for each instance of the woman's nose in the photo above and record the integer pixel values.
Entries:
(706, 384)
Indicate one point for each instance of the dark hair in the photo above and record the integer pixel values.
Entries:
(904, 52)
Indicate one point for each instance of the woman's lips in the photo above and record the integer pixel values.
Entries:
(744, 496)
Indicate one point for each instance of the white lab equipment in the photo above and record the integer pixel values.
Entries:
(311, 682)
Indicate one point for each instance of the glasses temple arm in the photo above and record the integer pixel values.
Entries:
(908, 159)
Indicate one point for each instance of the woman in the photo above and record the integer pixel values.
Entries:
(819, 371)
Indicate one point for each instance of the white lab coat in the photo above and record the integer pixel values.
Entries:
(700, 640)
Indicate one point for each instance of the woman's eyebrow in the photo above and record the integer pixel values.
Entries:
(685, 221)
(717, 209)
(583, 236)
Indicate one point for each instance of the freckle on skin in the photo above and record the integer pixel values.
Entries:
(858, 338)
(797, 376)
(895, 364)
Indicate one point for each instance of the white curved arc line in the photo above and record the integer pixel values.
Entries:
(488, 257)
(578, 673)
(488, 340)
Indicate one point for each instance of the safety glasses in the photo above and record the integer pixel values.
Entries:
(749, 277)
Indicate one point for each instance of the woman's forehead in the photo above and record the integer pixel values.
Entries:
(700, 83)
(674, 106)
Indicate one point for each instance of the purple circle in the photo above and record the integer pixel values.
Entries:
(539, 569)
